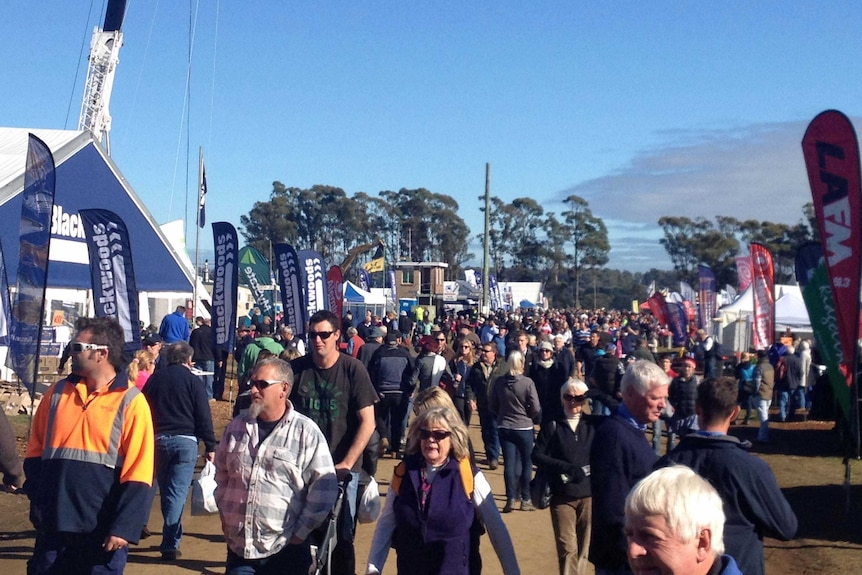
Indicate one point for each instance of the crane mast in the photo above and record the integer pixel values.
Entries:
(104, 56)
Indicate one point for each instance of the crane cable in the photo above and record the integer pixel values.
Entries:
(186, 97)
(144, 60)
(78, 68)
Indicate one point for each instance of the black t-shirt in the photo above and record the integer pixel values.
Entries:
(331, 398)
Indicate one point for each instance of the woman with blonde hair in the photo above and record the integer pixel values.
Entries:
(433, 499)
(141, 368)
(460, 366)
(515, 403)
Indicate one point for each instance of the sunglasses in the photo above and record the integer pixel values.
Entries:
(441, 339)
(488, 351)
(78, 347)
(437, 435)
(262, 384)
(323, 335)
(569, 397)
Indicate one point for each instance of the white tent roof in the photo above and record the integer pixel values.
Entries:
(790, 311)
(789, 307)
(373, 298)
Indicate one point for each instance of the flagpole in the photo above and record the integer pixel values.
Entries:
(486, 265)
(198, 230)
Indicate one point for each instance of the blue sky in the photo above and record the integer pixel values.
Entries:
(644, 109)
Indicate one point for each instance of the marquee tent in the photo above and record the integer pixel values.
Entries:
(789, 308)
(357, 300)
(86, 178)
(355, 294)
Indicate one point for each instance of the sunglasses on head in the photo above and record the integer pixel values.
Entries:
(262, 384)
(570, 397)
(323, 335)
(78, 347)
(437, 435)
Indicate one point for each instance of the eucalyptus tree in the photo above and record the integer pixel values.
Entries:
(588, 236)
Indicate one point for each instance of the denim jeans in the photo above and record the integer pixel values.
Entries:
(517, 445)
(795, 398)
(599, 408)
(175, 468)
(291, 560)
(490, 434)
(344, 554)
(763, 415)
(207, 365)
(747, 402)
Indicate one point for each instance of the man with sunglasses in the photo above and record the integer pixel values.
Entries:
(443, 348)
(275, 476)
(89, 462)
(335, 391)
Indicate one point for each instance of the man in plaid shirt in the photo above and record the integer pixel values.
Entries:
(276, 479)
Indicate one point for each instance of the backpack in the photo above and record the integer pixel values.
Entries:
(464, 467)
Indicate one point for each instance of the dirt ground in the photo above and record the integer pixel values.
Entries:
(802, 454)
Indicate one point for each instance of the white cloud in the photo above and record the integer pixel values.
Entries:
(749, 172)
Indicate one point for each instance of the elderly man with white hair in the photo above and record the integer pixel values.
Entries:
(620, 457)
(675, 526)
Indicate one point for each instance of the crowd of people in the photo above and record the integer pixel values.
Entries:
(584, 397)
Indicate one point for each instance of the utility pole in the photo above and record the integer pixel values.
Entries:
(485, 264)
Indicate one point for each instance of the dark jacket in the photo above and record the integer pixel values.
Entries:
(605, 375)
(178, 400)
(201, 341)
(754, 506)
(481, 385)
(620, 457)
(391, 369)
(682, 395)
(548, 382)
(561, 451)
(366, 352)
(793, 372)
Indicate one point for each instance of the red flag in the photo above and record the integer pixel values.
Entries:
(334, 294)
(763, 283)
(658, 307)
(743, 272)
(832, 158)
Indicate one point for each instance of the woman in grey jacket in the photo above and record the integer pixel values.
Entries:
(515, 403)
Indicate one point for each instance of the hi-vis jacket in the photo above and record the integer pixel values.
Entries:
(89, 462)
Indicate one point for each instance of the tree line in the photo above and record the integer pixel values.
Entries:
(415, 225)
(568, 251)
(690, 242)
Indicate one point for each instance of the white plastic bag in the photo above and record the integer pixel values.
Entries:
(369, 505)
(203, 491)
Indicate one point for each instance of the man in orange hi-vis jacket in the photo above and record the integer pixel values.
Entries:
(89, 463)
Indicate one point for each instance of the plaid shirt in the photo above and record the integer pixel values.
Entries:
(268, 494)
